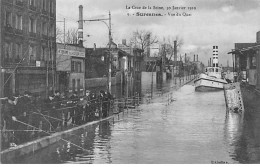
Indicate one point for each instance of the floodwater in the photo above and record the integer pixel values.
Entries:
(194, 128)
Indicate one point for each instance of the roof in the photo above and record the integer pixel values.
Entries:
(242, 47)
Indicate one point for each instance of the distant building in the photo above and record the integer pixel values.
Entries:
(28, 50)
(70, 63)
(247, 62)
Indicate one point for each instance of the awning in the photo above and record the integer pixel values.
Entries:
(239, 51)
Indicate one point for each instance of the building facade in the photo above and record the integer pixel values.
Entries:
(28, 49)
(246, 57)
(70, 64)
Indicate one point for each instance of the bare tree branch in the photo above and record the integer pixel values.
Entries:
(144, 38)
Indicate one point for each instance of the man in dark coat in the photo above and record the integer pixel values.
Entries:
(10, 116)
(73, 108)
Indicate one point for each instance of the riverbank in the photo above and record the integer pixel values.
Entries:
(9, 155)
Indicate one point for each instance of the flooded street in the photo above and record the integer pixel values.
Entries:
(194, 128)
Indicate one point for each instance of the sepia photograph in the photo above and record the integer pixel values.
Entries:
(130, 82)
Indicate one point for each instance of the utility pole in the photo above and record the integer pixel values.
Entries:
(109, 48)
(109, 58)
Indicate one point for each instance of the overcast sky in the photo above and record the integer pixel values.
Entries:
(214, 22)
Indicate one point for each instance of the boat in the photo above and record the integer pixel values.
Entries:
(212, 79)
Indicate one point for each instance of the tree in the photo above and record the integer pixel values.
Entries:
(143, 39)
(170, 45)
(59, 35)
(70, 36)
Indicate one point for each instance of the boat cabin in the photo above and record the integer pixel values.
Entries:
(213, 71)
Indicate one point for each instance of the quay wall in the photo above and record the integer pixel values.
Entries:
(9, 155)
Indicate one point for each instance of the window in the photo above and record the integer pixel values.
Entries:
(32, 2)
(44, 53)
(72, 66)
(32, 25)
(44, 28)
(44, 5)
(8, 51)
(18, 52)
(79, 66)
(51, 6)
(32, 53)
(78, 85)
(76, 66)
(19, 22)
(253, 62)
(73, 84)
(52, 30)
(8, 19)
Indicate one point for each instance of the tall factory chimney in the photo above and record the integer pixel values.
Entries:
(197, 57)
(175, 52)
(194, 58)
(80, 28)
(148, 45)
(258, 37)
(185, 60)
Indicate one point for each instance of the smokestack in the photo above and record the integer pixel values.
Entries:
(80, 28)
(148, 45)
(258, 37)
(95, 46)
(124, 42)
(197, 57)
(194, 58)
(185, 58)
(175, 51)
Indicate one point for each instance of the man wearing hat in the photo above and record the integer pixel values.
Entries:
(9, 116)
(87, 106)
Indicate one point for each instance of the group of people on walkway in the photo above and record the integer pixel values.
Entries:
(25, 117)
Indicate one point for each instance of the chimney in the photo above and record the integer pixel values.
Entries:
(148, 45)
(80, 26)
(94, 48)
(197, 57)
(194, 58)
(185, 58)
(258, 37)
(175, 51)
(124, 42)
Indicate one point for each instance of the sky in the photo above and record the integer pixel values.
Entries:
(213, 22)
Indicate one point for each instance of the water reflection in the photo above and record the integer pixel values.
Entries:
(193, 129)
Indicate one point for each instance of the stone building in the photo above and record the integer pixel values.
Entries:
(27, 46)
(70, 66)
